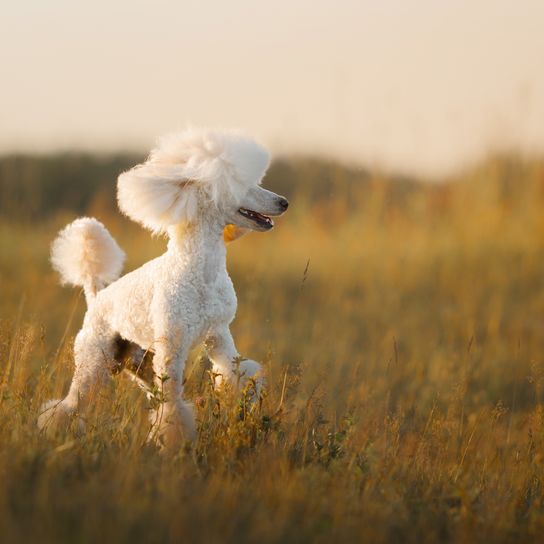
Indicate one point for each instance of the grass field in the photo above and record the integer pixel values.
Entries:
(404, 345)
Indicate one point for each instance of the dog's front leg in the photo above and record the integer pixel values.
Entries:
(227, 363)
(172, 417)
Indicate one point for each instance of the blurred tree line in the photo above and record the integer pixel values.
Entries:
(34, 187)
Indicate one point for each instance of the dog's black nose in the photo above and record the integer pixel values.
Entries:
(284, 203)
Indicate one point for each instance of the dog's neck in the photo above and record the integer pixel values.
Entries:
(199, 244)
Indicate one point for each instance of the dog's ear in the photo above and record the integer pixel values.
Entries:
(157, 195)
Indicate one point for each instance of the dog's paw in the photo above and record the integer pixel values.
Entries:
(172, 425)
(56, 417)
(188, 421)
(251, 377)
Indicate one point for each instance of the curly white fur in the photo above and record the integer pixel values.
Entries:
(192, 186)
(85, 254)
(163, 191)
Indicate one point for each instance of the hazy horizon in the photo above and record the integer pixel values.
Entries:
(422, 87)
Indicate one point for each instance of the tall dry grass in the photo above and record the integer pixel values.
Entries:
(403, 340)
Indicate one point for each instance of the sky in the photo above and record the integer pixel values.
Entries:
(421, 86)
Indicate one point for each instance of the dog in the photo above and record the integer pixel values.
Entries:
(200, 187)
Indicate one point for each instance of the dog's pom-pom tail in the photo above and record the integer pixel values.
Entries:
(85, 254)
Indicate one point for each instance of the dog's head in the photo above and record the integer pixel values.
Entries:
(198, 174)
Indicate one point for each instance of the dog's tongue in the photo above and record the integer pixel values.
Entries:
(263, 218)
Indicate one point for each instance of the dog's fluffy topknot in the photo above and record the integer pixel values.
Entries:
(163, 190)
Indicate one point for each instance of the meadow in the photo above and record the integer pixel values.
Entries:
(402, 328)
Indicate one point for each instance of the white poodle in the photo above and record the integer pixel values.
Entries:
(193, 186)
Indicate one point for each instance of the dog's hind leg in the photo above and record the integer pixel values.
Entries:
(172, 417)
(93, 354)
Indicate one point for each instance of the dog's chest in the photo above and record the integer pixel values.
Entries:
(220, 300)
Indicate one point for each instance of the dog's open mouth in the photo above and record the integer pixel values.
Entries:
(262, 220)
